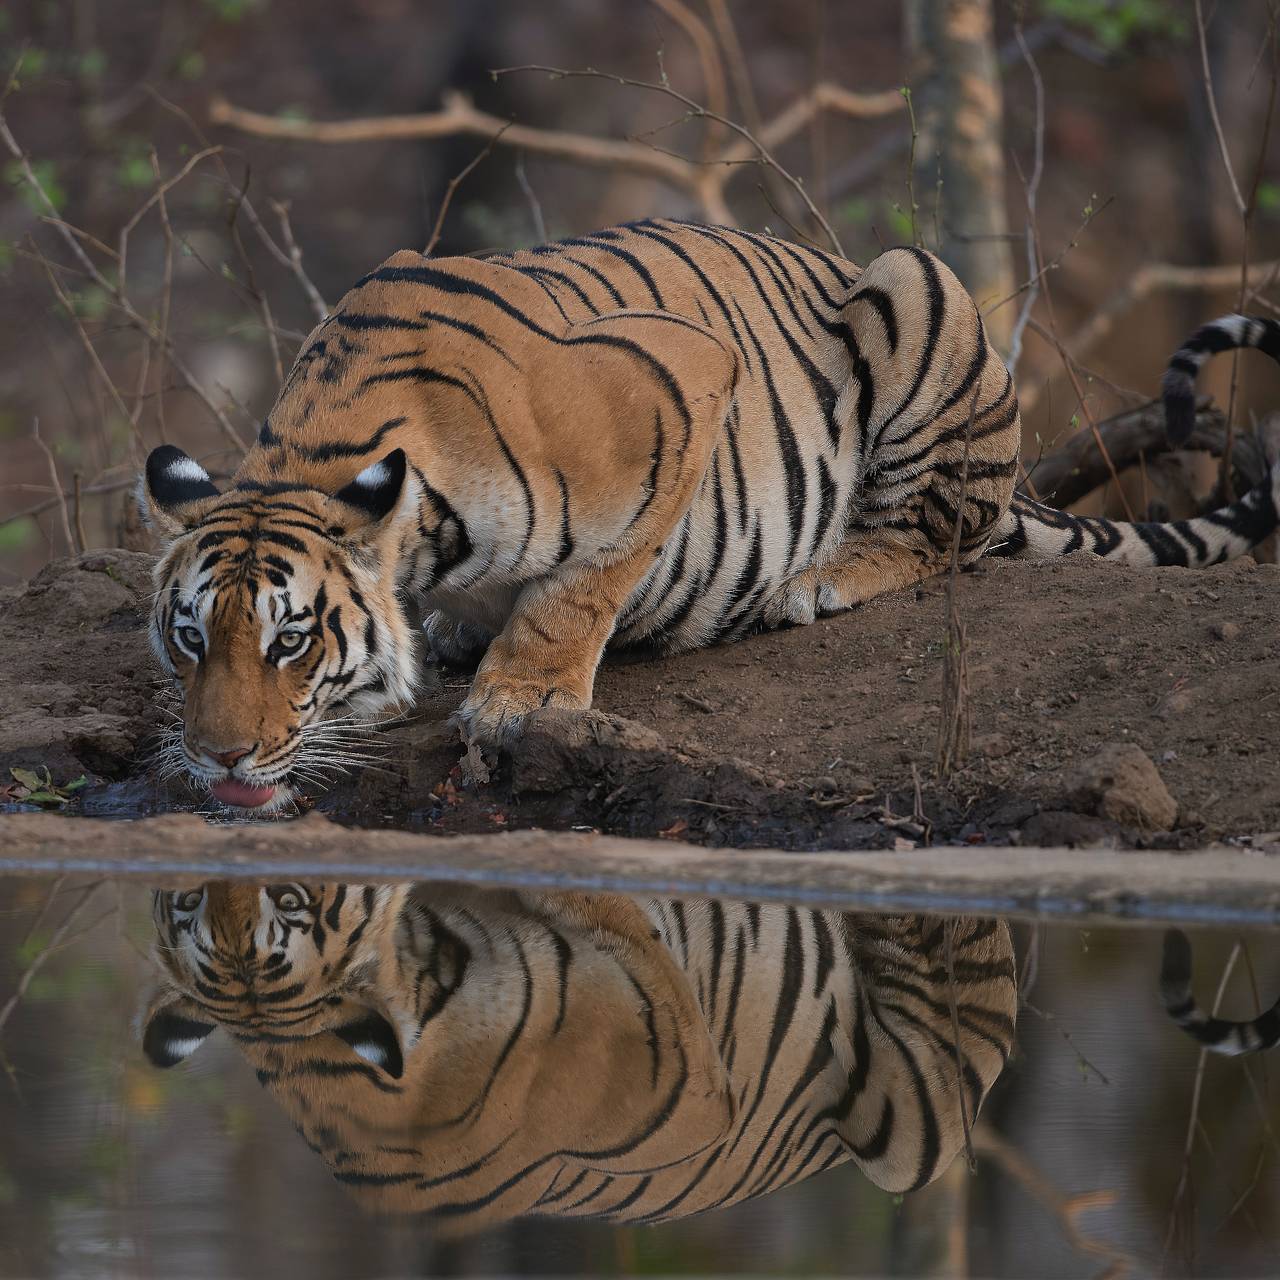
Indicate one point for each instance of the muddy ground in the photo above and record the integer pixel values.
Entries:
(821, 737)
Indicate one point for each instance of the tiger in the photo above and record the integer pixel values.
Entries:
(1217, 1035)
(479, 1055)
(659, 435)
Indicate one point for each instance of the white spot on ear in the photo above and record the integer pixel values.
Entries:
(373, 476)
(179, 1049)
(186, 469)
(370, 1051)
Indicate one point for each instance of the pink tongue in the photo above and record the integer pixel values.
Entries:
(241, 794)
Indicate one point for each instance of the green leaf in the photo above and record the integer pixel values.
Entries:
(28, 779)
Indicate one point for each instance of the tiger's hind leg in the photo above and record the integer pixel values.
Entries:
(865, 564)
(922, 369)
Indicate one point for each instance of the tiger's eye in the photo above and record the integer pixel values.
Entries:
(188, 899)
(191, 637)
(290, 639)
(288, 897)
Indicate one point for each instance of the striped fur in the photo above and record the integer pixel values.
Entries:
(1033, 530)
(663, 434)
(1218, 1035)
(484, 1056)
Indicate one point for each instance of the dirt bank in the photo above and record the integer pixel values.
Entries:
(808, 738)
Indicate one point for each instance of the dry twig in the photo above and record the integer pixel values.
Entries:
(953, 721)
(57, 484)
(454, 183)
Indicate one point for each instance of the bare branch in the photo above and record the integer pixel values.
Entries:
(699, 112)
(1066, 1209)
(1032, 192)
(454, 183)
(57, 484)
(1207, 80)
(1146, 280)
(114, 290)
(703, 181)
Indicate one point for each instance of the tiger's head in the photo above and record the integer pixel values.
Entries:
(277, 616)
(280, 963)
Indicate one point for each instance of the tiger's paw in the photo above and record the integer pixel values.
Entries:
(493, 715)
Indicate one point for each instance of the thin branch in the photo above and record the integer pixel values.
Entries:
(1032, 191)
(714, 83)
(1193, 1118)
(1066, 1209)
(113, 290)
(292, 257)
(1246, 229)
(57, 484)
(1207, 81)
(1147, 280)
(531, 198)
(454, 183)
(698, 112)
(38, 960)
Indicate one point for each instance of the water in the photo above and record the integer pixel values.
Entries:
(111, 1166)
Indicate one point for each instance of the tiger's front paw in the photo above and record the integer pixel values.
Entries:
(494, 713)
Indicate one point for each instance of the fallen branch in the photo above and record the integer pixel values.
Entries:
(1076, 468)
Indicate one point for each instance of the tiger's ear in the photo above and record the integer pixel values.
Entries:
(172, 1029)
(371, 498)
(374, 1039)
(172, 488)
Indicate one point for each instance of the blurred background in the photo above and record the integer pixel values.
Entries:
(1061, 153)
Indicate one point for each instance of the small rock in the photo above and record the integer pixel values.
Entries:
(994, 746)
(1175, 703)
(1226, 630)
(1120, 782)
(825, 784)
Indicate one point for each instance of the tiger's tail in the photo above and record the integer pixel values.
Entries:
(1033, 531)
(1218, 1035)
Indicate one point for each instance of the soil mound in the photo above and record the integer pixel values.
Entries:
(821, 737)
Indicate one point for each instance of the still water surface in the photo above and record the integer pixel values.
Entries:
(457, 1082)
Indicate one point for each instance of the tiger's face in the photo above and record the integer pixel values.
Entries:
(276, 615)
(283, 961)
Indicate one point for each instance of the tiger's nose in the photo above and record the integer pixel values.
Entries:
(229, 759)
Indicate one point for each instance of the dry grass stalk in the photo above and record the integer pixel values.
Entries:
(953, 721)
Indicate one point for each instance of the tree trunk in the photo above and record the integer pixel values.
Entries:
(959, 113)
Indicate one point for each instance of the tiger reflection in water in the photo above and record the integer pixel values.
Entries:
(487, 1055)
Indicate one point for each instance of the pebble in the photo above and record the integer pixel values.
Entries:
(1226, 630)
